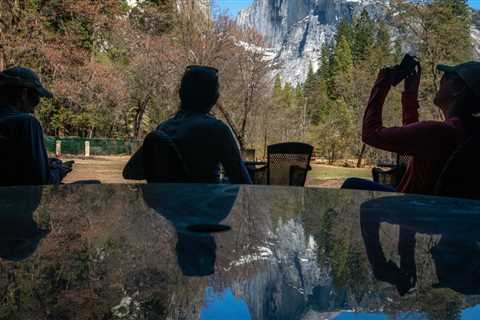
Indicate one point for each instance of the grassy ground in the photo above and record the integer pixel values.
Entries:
(109, 170)
(333, 177)
(323, 172)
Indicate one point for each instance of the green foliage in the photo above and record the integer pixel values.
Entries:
(344, 29)
(363, 36)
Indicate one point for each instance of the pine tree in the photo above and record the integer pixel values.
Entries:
(342, 69)
(381, 52)
(277, 86)
(363, 36)
(344, 29)
(342, 59)
(310, 83)
(326, 72)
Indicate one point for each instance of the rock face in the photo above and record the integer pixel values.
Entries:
(205, 6)
(297, 29)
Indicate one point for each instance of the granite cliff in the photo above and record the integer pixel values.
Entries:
(297, 29)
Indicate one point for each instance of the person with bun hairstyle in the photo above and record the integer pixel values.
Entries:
(201, 142)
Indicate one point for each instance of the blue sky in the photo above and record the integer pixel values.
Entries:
(233, 6)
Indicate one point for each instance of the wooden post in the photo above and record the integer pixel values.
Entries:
(58, 148)
(87, 148)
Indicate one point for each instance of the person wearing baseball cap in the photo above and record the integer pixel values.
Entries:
(428, 143)
(461, 92)
(200, 141)
(24, 159)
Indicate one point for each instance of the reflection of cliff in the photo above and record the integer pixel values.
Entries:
(286, 276)
(292, 254)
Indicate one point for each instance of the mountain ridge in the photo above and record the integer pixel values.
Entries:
(296, 30)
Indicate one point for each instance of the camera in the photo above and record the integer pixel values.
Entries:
(404, 69)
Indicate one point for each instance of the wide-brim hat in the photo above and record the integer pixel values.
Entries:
(24, 77)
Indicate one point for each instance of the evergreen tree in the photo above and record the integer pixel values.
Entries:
(326, 72)
(288, 96)
(381, 52)
(277, 86)
(344, 29)
(310, 82)
(397, 50)
(342, 59)
(363, 35)
(342, 70)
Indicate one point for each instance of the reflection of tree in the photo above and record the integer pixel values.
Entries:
(332, 220)
(437, 251)
(442, 304)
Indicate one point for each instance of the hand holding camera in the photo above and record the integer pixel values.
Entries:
(64, 167)
(409, 70)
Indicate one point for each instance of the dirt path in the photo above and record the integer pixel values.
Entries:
(108, 169)
(329, 183)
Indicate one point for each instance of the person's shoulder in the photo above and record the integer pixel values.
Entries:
(210, 121)
(444, 131)
(23, 119)
(219, 124)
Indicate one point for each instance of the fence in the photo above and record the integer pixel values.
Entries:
(76, 146)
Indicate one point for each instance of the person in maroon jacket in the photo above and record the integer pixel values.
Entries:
(430, 143)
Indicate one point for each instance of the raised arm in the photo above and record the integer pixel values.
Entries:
(413, 138)
(410, 97)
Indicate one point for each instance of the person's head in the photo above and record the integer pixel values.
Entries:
(199, 89)
(21, 88)
(459, 91)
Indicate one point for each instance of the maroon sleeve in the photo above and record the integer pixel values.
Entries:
(410, 108)
(414, 138)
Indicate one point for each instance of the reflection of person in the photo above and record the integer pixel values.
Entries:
(201, 142)
(19, 233)
(430, 143)
(194, 212)
(24, 159)
(456, 255)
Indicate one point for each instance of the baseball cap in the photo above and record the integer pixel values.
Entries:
(468, 72)
(24, 77)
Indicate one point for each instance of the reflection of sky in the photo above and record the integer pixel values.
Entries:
(223, 306)
(378, 316)
(472, 313)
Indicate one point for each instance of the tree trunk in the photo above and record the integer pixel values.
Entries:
(142, 107)
(332, 155)
(90, 132)
(360, 156)
(232, 125)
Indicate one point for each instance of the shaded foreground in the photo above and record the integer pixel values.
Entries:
(157, 252)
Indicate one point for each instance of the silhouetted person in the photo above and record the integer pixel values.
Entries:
(195, 214)
(430, 143)
(191, 146)
(456, 255)
(19, 233)
(24, 159)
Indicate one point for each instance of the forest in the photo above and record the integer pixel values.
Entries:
(115, 69)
